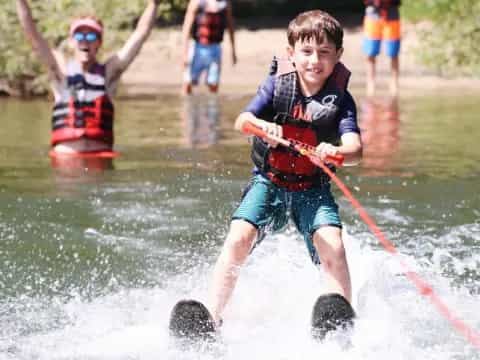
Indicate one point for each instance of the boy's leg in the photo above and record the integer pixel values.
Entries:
(236, 248)
(187, 73)
(262, 206)
(329, 245)
(213, 88)
(193, 69)
(395, 69)
(392, 36)
(187, 88)
(372, 35)
(214, 68)
(392, 49)
(315, 214)
(371, 73)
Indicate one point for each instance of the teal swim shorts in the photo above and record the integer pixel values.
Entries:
(269, 207)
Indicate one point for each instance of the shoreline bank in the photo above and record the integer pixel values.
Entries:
(157, 70)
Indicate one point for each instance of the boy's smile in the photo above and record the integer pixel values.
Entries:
(314, 63)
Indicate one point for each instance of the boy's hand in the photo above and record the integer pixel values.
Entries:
(272, 129)
(324, 150)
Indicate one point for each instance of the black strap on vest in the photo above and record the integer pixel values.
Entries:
(284, 96)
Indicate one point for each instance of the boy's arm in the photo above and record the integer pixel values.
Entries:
(247, 116)
(350, 139)
(269, 127)
(351, 148)
(187, 29)
(259, 106)
(231, 32)
(119, 62)
(39, 44)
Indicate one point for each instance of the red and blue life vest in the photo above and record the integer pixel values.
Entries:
(304, 119)
(84, 109)
(209, 27)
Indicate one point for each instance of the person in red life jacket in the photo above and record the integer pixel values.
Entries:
(305, 98)
(205, 21)
(82, 87)
(381, 24)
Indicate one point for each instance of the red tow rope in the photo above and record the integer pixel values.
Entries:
(423, 287)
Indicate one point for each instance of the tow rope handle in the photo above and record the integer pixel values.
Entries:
(301, 148)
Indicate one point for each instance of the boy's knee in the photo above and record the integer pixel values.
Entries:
(333, 262)
(240, 239)
(330, 248)
(240, 243)
(339, 253)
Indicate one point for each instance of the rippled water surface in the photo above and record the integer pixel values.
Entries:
(94, 255)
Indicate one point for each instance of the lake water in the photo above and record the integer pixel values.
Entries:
(94, 255)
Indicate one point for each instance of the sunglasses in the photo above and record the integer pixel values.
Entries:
(89, 37)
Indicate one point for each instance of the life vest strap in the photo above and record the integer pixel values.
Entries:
(317, 178)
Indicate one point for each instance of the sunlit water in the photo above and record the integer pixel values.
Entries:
(92, 261)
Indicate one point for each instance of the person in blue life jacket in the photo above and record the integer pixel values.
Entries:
(304, 98)
(205, 22)
(83, 88)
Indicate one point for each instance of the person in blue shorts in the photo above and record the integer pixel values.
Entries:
(304, 98)
(205, 21)
(381, 24)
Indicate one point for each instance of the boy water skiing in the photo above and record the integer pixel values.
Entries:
(305, 98)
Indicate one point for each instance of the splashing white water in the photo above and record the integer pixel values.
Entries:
(268, 317)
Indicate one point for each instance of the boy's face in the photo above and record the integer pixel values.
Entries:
(314, 61)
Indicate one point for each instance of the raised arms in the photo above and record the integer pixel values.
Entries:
(119, 62)
(187, 29)
(231, 32)
(46, 55)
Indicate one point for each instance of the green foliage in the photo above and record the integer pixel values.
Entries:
(15, 54)
(172, 9)
(450, 41)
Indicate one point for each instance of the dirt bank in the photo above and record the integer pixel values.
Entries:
(157, 69)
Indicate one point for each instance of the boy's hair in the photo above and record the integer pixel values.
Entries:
(315, 24)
